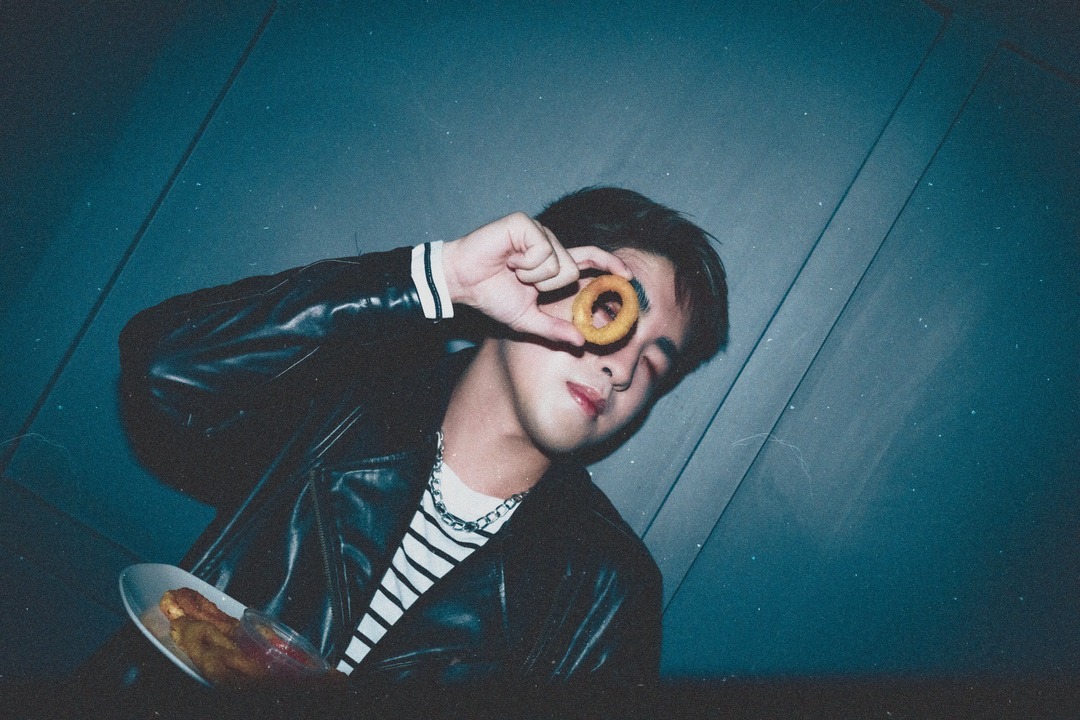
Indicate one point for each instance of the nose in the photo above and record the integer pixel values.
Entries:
(619, 366)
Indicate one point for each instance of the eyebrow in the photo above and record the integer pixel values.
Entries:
(666, 344)
(642, 296)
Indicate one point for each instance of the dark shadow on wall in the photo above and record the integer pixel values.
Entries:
(71, 71)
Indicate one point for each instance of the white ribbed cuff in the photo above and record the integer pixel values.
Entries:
(430, 280)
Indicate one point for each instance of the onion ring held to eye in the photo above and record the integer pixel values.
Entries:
(616, 329)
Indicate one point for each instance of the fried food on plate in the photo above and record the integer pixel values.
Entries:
(208, 637)
(216, 656)
(223, 651)
(191, 603)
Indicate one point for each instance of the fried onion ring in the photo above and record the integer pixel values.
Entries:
(616, 329)
(185, 601)
(210, 637)
(214, 654)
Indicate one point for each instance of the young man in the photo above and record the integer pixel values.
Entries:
(421, 516)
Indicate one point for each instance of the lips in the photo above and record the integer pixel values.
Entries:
(591, 401)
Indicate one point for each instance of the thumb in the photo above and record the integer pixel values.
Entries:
(552, 328)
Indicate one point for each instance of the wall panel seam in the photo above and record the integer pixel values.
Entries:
(13, 445)
(915, 76)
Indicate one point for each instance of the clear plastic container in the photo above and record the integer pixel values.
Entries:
(284, 652)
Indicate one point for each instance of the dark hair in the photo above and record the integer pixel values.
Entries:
(613, 218)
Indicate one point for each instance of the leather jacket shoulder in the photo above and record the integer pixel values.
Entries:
(204, 373)
(316, 394)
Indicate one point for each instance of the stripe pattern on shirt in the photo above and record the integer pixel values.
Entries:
(429, 550)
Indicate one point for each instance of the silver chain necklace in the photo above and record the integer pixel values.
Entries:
(452, 520)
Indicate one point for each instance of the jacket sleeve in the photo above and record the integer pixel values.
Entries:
(206, 357)
(256, 351)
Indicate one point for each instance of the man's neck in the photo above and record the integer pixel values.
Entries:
(484, 442)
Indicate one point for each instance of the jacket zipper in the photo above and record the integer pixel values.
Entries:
(542, 637)
(328, 573)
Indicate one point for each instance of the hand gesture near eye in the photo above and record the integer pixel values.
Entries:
(501, 268)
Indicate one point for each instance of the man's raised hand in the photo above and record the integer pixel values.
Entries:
(501, 268)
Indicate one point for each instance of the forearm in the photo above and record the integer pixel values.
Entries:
(206, 356)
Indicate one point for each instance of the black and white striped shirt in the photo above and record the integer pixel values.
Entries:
(429, 550)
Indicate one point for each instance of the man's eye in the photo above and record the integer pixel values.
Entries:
(605, 312)
(655, 368)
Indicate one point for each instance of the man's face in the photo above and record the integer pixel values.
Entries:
(566, 398)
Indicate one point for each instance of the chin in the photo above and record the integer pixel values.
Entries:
(554, 439)
(559, 445)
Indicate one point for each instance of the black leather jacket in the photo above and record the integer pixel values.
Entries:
(313, 396)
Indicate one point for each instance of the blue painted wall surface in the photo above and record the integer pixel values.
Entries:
(894, 192)
(916, 508)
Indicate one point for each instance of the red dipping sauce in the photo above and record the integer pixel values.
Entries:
(283, 651)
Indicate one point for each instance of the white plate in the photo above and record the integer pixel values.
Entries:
(141, 587)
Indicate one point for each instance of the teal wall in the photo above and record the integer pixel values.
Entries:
(876, 479)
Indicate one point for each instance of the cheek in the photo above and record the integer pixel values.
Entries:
(630, 404)
(535, 373)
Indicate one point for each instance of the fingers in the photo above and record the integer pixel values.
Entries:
(537, 263)
(545, 264)
(568, 270)
(591, 257)
(501, 267)
(552, 328)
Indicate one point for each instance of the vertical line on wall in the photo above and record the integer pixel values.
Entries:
(922, 63)
(915, 186)
(10, 450)
(1040, 63)
(900, 212)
